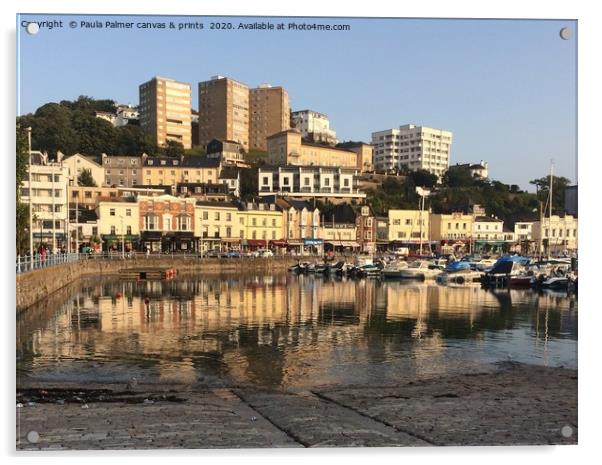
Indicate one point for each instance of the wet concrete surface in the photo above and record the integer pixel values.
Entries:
(515, 404)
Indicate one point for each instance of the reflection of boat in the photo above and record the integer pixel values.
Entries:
(522, 280)
(556, 282)
(392, 269)
(420, 269)
(458, 272)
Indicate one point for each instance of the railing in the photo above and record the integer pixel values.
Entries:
(25, 263)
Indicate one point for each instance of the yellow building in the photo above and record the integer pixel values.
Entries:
(261, 223)
(167, 171)
(452, 231)
(287, 148)
(409, 226)
(118, 223)
(217, 225)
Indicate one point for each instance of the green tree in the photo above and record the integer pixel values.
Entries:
(423, 178)
(85, 179)
(132, 140)
(249, 184)
(559, 185)
(173, 149)
(458, 176)
(22, 210)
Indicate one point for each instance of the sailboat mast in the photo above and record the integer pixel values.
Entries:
(550, 213)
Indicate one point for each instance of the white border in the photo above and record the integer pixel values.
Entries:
(590, 153)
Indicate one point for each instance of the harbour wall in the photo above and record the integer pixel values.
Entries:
(37, 285)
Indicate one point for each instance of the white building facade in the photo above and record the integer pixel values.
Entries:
(314, 126)
(413, 147)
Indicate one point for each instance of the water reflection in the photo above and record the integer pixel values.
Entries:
(289, 331)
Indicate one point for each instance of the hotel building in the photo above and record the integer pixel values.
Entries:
(413, 147)
(269, 114)
(223, 111)
(165, 110)
(314, 126)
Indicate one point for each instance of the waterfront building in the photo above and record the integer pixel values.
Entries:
(83, 228)
(382, 233)
(123, 170)
(556, 235)
(412, 147)
(165, 110)
(269, 113)
(364, 155)
(223, 111)
(339, 229)
(488, 234)
(118, 223)
(49, 202)
(409, 228)
(310, 182)
(452, 231)
(314, 126)
(228, 151)
(231, 178)
(301, 225)
(218, 226)
(166, 223)
(288, 148)
(365, 222)
(261, 224)
(77, 163)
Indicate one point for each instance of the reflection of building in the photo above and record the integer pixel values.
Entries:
(269, 114)
(310, 182)
(49, 203)
(223, 111)
(165, 110)
(288, 148)
(412, 147)
(314, 127)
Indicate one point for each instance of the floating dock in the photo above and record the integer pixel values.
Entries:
(147, 273)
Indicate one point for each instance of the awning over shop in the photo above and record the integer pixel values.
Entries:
(279, 243)
(343, 243)
(256, 242)
(117, 237)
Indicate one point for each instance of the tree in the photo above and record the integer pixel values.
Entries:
(22, 210)
(423, 178)
(559, 185)
(249, 184)
(85, 179)
(458, 176)
(173, 149)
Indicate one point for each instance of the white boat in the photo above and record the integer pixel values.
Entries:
(459, 272)
(393, 269)
(420, 269)
(484, 263)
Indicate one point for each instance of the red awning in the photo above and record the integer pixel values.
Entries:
(256, 242)
(279, 243)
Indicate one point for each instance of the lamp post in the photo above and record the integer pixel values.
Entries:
(30, 194)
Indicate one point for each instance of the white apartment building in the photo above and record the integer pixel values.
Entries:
(557, 234)
(49, 202)
(414, 147)
(310, 182)
(314, 126)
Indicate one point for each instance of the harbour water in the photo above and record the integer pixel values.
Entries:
(288, 331)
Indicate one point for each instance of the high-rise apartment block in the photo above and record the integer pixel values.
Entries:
(223, 111)
(270, 114)
(414, 147)
(165, 110)
(314, 126)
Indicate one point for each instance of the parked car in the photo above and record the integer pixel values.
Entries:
(233, 254)
(263, 253)
(213, 253)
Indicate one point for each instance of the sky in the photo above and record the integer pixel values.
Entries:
(505, 88)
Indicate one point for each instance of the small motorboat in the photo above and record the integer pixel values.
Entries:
(392, 269)
(556, 283)
(420, 269)
(459, 272)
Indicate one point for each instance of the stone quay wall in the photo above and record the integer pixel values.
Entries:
(36, 285)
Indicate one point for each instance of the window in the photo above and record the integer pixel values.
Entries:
(112, 230)
(266, 180)
(254, 221)
(216, 216)
(273, 221)
(228, 218)
(128, 230)
(205, 215)
(128, 212)
(408, 222)
(396, 222)
(151, 222)
(112, 212)
(183, 223)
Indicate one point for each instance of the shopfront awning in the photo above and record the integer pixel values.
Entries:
(279, 243)
(343, 243)
(256, 242)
